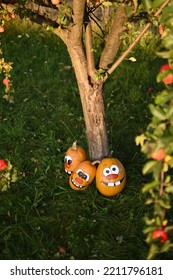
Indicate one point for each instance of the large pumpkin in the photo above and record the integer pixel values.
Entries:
(110, 177)
(74, 155)
(82, 176)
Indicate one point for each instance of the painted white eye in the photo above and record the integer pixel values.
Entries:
(68, 159)
(86, 176)
(79, 172)
(106, 171)
(114, 169)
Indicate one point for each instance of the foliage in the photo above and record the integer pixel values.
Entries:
(157, 144)
(5, 68)
(8, 175)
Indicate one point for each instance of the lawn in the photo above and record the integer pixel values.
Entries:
(41, 217)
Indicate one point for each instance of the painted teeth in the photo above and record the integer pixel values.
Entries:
(113, 184)
(76, 185)
(68, 172)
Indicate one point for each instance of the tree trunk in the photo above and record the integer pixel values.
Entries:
(90, 89)
(94, 115)
(91, 95)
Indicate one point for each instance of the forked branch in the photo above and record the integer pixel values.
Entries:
(113, 38)
(125, 54)
(89, 51)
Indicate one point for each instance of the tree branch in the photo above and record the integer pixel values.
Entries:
(47, 12)
(78, 16)
(113, 38)
(123, 56)
(89, 51)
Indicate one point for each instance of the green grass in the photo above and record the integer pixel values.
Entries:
(41, 213)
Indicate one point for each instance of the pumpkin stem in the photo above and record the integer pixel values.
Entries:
(95, 162)
(110, 154)
(74, 145)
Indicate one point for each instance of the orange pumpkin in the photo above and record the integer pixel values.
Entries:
(73, 157)
(110, 177)
(82, 176)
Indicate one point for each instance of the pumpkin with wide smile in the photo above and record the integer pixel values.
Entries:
(110, 177)
(82, 176)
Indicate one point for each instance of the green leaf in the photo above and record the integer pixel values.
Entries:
(147, 4)
(165, 54)
(135, 2)
(163, 98)
(14, 176)
(167, 13)
(153, 251)
(164, 204)
(160, 129)
(149, 229)
(149, 186)
(149, 201)
(107, 4)
(169, 189)
(151, 166)
(128, 11)
(149, 221)
(168, 41)
(140, 139)
(166, 246)
(101, 71)
(157, 3)
(169, 112)
(157, 112)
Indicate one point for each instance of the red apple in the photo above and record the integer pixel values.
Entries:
(162, 29)
(160, 233)
(6, 81)
(55, 2)
(3, 164)
(2, 29)
(165, 67)
(169, 78)
(12, 15)
(159, 155)
(62, 250)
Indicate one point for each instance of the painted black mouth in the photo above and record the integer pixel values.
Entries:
(113, 184)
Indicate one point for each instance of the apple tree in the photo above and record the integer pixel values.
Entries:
(76, 22)
(5, 67)
(157, 144)
(8, 173)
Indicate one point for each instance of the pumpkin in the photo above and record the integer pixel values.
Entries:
(110, 177)
(82, 176)
(74, 155)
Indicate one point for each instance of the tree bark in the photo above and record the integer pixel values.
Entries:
(93, 106)
(113, 38)
(91, 90)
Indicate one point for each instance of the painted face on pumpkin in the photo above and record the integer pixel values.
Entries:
(73, 157)
(110, 177)
(82, 176)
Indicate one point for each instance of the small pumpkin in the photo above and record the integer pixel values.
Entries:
(82, 176)
(110, 177)
(74, 155)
